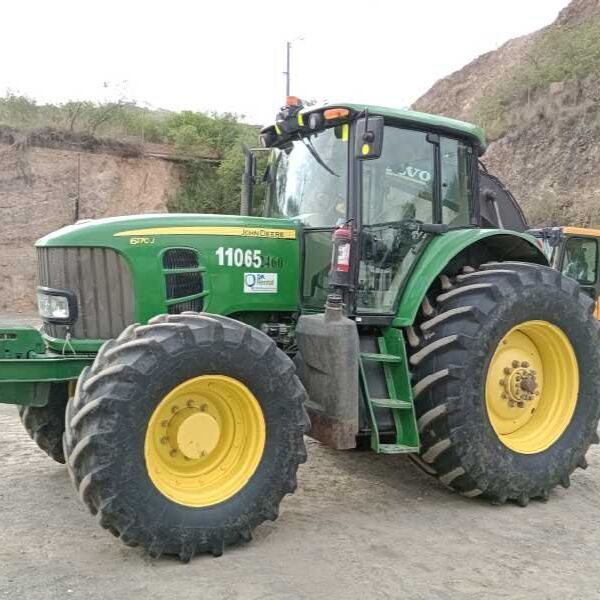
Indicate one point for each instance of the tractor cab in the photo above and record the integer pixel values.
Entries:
(390, 178)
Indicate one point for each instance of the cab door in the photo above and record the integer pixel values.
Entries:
(579, 261)
(420, 178)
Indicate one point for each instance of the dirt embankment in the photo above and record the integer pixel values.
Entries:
(548, 150)
(50, 179)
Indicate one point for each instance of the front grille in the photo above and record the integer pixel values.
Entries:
(101, 280)
(183, 284)
(194, 305)
(180, 258)
(183, 279)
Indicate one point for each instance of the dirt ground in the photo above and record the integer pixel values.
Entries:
(359, 526)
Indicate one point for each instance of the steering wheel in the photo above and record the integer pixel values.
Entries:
(402, 232)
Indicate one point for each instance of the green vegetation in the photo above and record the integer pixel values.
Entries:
(211, 186)
(559, 54)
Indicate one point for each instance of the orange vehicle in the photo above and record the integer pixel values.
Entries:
(574, 252)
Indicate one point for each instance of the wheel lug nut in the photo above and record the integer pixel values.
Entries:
(524, 364)
(190, 403)
(164, 440)
(502, 382)
(507, 371)
(521, 404)
(204, 408)
(164, 423)
(175, 409)
(504, 396)
(173, 452)
(515, 363)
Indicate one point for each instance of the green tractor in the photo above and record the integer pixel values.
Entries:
(385, 287)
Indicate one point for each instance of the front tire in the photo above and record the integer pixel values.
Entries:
(46, 424)
(507, 371)
(186, 434)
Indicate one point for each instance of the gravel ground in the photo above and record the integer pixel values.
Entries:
(359, 526)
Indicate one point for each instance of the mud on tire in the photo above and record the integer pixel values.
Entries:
(107, 419)
(458, 331)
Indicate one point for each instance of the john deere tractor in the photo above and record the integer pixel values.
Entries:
(384, 286)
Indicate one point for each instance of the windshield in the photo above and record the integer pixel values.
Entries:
(305, 188)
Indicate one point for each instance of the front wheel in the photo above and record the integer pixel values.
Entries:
(507, 372)
(186, 433)
(46, 424)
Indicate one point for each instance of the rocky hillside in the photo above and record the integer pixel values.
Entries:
(49, 179)
(538, 97)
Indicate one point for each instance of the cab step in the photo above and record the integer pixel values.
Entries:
(397, 449)
(393, 360)
(391, 403)
(382, 358)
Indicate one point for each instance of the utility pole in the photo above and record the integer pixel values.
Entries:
(288, 45)
(288, 48)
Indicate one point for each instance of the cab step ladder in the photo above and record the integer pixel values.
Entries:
(392, 358)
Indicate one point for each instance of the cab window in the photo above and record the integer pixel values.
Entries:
(309, 179)
(399, 185)
(456, 160)
(580, 261)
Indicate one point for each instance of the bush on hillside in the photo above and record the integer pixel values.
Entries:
(559, 54)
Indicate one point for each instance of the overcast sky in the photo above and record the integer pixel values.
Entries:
(229, 56)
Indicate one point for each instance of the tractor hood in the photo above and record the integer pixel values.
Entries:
(118, 232)
(128, 269)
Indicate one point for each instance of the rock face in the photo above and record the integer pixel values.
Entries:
(549, 152)
(43, 189)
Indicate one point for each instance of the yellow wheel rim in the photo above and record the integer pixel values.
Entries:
(204, 440)
(532, 386)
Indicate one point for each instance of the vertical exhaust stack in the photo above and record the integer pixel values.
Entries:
(247, 182)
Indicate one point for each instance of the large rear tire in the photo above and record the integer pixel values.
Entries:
(46, 424)
(185, 434)
(507, 373)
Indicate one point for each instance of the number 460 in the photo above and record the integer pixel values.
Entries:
(236, 257)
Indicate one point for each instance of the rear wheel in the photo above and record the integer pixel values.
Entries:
(506, 371)
(186, 433)
(46, 424)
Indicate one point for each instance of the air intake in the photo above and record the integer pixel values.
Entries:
(183, 281)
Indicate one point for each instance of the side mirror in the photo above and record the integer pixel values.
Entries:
(369, 138)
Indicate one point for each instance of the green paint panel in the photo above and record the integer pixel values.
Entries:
(439, 252)
(423, 119)
(232, 250)
(26, 380)
(19, 341)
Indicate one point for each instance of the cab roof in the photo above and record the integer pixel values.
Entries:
(410, 117)
(426, 119)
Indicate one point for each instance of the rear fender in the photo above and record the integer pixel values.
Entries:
(475, 246)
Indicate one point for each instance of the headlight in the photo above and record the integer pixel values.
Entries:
(58, 306)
